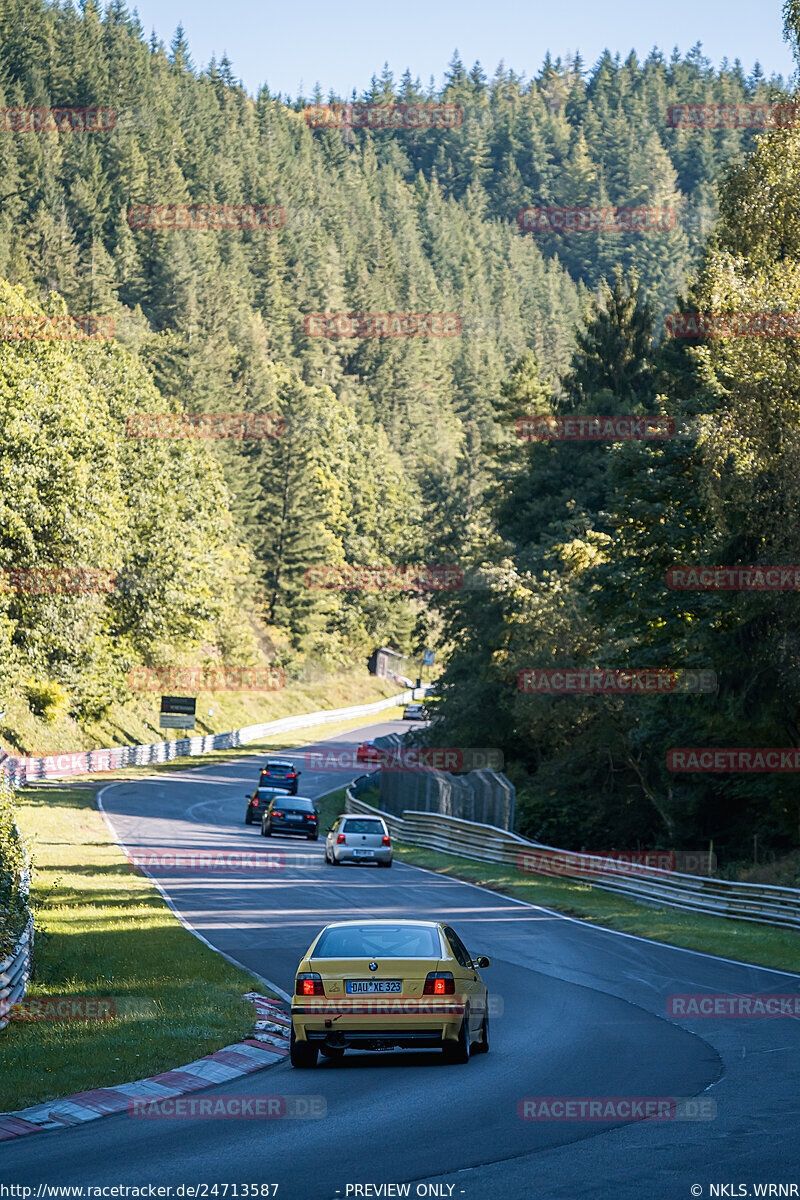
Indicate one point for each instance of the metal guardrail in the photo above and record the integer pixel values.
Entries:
(765, 903)
(57, 766)
(15, 972)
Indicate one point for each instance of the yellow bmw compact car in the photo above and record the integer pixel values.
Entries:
(385, 985)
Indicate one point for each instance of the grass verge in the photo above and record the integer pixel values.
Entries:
(743, 940)
(104, 931)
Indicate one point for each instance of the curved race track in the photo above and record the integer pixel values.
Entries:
(583, 1014)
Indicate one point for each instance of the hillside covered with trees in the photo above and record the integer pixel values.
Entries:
(403, 450)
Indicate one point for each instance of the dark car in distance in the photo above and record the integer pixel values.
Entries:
(279, 772)
(291, 814)
(258, 803)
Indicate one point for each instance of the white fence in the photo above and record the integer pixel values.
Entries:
(647, 885)
(57, 766)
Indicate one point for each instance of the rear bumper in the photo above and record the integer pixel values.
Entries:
(295, 827)
(411, 1021)
(346, 854)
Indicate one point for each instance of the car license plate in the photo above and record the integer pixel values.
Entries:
(360, 986)
(295, 816)
(363, 853)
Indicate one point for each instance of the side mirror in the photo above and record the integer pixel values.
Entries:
(298, 773)
(482, 961)
(247, 796)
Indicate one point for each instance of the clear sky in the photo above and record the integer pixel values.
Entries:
(293, 45)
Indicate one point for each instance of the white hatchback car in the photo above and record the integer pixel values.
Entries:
(354, 839)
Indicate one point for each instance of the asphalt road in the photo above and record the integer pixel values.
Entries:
(579, 1012)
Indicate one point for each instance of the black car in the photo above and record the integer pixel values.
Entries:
(279, 772)
(291, 814)
(258, 803)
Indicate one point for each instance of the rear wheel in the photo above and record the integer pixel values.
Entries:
(302, 1054)
(265, 832)
(482, 1045)
(312, 837)
(249, 818)
(385, 864)
(334, 860)
(458, 1051)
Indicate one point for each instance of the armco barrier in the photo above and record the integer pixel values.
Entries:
(647, 885)
(29, 770)
(15, 970)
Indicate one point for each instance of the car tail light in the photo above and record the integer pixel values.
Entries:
(276, 813)
(439, 983)
(309, 984)
(341, 839)
(310, 817)
(255, 804)
(386, 840)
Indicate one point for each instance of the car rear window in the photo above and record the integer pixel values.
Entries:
(362, 825)
(379, 941)
(292, 804)
(278, 769)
